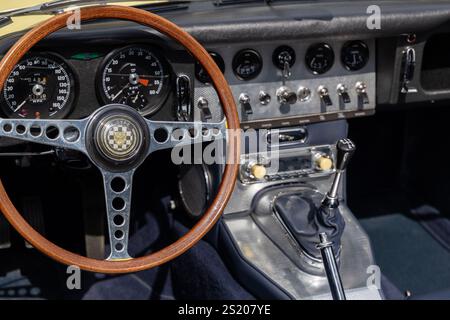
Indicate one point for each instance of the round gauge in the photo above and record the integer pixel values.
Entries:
(200, 73)
(134, 76)
(40, 86)
(354, 55)
(247, 64)
(283, 54)
(319, 58)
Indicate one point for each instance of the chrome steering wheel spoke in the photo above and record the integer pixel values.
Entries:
(171, 134)
(68, 134)
(118, 190)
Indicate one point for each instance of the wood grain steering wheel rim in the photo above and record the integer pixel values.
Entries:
(26, 42)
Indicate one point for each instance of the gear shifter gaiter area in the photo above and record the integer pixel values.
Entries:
(306, 221)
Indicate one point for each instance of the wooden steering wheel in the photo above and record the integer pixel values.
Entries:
(92, 136)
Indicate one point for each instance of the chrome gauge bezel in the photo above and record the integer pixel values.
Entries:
(158, 101)
(73, 80)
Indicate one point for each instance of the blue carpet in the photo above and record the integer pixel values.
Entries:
(407, 254)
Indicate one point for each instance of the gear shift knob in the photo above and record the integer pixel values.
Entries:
(345, 149)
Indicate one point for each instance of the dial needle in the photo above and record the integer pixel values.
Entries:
(120, 92)
(21, 105)
(144, 82)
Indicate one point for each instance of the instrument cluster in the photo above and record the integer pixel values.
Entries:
(47, 84)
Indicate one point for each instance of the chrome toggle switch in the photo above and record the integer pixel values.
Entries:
(286, 96)
(264, 98)
(342, 91)
(361, 91)
(183, 92)
(244, 100)
(203, 105)
(304, 94)
(407, 70)
(324, 95)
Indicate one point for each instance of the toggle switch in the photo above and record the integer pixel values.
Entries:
(244, 100)
(203, 105)
(183, 93)
(407, 70)
(361, 91)
(304, 94)
(286, 96)
(342, 91)
(324, 95)
(264, 98)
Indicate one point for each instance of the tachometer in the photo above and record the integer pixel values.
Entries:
(40, 86)
(134, 76)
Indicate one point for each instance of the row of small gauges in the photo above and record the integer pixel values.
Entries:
(319, 58)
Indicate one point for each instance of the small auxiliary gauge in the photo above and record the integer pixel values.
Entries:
(201, 74)
(354, 55)
(283, 54)
(319, 58)
(247, 64)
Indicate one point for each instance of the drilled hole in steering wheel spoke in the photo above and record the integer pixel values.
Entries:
(178, 134)
(7, 127)
(119, 220)
(161, 135)
(119, 247)
(205, 132)
(71, 134)
(193, 133)
(52, 132)
(216, 132)
(118, 184)
(118, 204)
(21, 129)
(118, 234)
(35, 131)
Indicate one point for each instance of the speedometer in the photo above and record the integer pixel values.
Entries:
(134, 76)
(40, 86)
